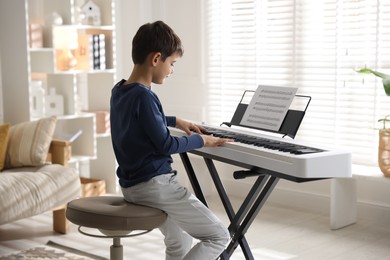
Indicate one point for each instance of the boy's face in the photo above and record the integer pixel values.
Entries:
(164, 69)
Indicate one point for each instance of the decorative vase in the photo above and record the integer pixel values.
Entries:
(54, 103)
(38, 99)
(66, 60)
(384, 150)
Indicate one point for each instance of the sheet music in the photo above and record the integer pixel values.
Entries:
(268, 107)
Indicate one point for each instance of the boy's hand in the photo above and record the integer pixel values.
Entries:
(188, 127)
(212, 141)
(209, 140)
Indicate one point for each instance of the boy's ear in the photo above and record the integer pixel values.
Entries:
(155, 58)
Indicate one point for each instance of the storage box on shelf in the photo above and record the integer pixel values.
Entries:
(92, 187)
(102, 121)
(60, 152)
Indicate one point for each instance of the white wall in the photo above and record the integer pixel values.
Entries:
(14, 107)
(1, 95)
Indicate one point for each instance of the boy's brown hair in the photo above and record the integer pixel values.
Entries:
(155, 37)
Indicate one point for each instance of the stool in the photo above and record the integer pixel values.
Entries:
(114, 217)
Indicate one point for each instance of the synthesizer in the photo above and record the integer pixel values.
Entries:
(285, 156)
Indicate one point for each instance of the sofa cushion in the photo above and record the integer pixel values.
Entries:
(28, 191)
(4, 132)
(29, 142)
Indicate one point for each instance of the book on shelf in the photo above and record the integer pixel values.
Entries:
(99, 51)
(91, 53)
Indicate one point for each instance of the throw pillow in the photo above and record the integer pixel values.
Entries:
(29, 142)
(4, 131)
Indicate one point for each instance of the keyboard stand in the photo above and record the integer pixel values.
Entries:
(241, 220)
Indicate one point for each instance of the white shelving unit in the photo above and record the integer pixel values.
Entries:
(83, 91)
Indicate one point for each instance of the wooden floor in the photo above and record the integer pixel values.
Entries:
(277, 233)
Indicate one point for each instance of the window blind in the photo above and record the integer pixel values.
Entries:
(312, 45)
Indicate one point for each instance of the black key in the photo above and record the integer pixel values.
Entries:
(305, 150)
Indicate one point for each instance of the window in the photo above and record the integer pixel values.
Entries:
(314, 46)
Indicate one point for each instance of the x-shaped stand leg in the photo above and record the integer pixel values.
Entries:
(249, 209)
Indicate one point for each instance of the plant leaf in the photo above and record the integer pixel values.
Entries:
(385, 78)
(386, 85)
(370, 71)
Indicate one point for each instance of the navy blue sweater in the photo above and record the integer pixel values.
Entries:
(141, 139)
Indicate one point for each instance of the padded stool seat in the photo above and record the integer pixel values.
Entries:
(114, 217)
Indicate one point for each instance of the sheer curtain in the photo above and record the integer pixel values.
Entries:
(312, 45)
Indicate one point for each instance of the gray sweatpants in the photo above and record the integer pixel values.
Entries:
(187, 218)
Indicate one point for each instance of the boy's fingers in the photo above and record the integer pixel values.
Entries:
(197, 129)
(225, 140)
(201, 128)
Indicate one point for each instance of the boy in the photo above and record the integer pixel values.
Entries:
(143, 145)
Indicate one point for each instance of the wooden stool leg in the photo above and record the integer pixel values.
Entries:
(116, 250)
(60, 223)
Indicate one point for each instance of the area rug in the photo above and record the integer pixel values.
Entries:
(52, 250)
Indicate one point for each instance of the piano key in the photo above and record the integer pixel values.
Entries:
(261, 142)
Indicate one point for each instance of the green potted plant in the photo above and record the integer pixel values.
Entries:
(384, 133)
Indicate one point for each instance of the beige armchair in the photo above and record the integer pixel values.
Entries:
(30, 184)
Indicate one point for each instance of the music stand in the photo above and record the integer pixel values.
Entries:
(289, 126)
